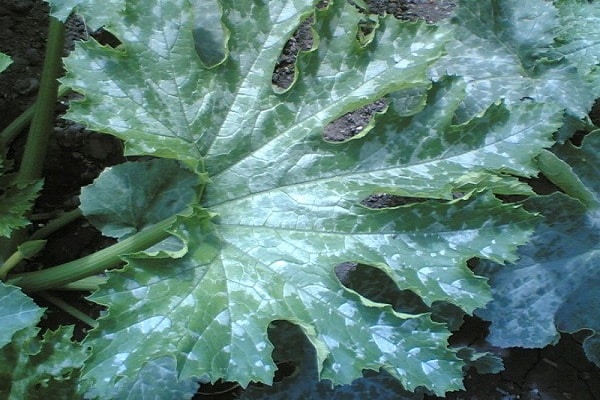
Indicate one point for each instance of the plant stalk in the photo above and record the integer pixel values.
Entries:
(57, 223)
(18, 125)
(92, 264)
(42, 121)
(69, 309)
(88, 284)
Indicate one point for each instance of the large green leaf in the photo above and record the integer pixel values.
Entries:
(17, 311)
(554, 286)
(504, 50)
(281, 206)
(33, 368)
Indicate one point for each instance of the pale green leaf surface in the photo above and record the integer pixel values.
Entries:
(5, 61)
(96, 14)
(501, 51)
(17, 311)
(188, 112)
(33, 368)
(579, 33)
(132, 196)
(209, 34)
(157, 380)
(554, 286)
(284, 205)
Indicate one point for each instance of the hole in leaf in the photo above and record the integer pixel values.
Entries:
(376, 285)
(355, 123)
(218, 390)
(577, 138)
(284, 369)
(384, 200)
(284, 73)
(595, 113)
(105, 38)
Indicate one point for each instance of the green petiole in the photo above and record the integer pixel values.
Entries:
(92, 264)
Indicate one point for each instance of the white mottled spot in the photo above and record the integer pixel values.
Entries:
(261, 346)
(336, 367)
(223, 318)
(154, 324)
(416, 46)
(140, 292)
(331, 342)
(414, 352)
(347, 309)
(382, 341)
(119, 362)
(430, 366)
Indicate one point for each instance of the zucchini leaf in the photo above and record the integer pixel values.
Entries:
(17, 311)
(279, 206)
(554, 285)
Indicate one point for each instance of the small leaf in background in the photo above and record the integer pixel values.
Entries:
(16, 199)
(17, 311)
(5, 61)
(132, 196)
(554, 285)
(33, 368)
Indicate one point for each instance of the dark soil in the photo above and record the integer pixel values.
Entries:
(77, 157)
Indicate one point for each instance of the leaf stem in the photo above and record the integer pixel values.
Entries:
(32, 163)
(92, 264)
(43, 115)
(57, 223)
(88, 284)
(18, 125)
(69, 309)
(26, 250)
